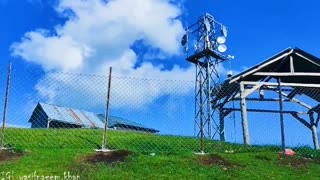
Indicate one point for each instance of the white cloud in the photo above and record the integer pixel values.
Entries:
(52, 52)
(99, 34)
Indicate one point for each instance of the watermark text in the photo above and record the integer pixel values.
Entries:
(10, 175)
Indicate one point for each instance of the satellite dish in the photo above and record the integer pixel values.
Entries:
(184, 40)
(222, 48)
(221, 39)
(224, 31)
(207, 24)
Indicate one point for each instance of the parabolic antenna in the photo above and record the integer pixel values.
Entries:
(222, 48)
(221, 39)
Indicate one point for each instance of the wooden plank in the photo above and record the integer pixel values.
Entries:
(291, 65)
(283, 84)
(266, 111)
(247, 92)
(314, 131)
(261, 66)
(278, 74)
(264, 99)
(307, 59)
(301, 120)
(296, 100)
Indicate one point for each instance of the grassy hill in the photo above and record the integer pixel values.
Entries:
(145, 156)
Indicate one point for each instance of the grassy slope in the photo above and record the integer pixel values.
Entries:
(53, 152)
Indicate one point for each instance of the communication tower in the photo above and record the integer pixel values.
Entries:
(209, 37)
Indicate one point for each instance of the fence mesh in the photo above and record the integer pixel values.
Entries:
(60, 110)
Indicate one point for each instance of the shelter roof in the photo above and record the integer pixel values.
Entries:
(292, 65)
(291, 60)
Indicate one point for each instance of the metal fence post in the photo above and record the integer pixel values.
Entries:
(104, 145)
(5, 107)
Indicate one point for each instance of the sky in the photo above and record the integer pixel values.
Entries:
(45, 39)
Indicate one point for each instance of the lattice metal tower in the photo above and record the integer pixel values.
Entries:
(209, 37)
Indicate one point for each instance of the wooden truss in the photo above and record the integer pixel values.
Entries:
(289, 73)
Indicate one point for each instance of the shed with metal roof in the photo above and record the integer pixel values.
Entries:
(52, 116)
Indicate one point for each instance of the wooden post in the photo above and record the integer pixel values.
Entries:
(244, 117)
(5, 109)
(104, 145)
(48, 123)
(283, 142)
(315, 137)
(314, 131)
(201, 117)
(221, 127)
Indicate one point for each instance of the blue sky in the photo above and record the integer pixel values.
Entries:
(139, 39)
(257, 29)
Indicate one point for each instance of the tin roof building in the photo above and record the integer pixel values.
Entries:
(52, 116)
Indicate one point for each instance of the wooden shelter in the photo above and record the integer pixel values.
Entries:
(289, 73)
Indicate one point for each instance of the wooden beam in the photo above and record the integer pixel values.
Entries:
(296, 100)
(244, 117)
(291, 65)
(314, 131)
(265, 111)
(263, 99)
(261, 93)
(301, 120)
(227, 112)
(283, 84)
(278, 74)
(261, 66)
(315, 137)
(247, 92)
(306, 59)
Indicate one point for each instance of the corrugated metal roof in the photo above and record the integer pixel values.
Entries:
(87, 119)
(72, 116)
(114, 121)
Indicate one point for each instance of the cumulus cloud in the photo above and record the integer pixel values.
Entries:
(98, 34)
(97, 31)
(52, 52)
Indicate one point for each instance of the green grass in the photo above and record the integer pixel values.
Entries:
(53, 152)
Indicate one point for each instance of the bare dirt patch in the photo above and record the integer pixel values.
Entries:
(6, 155)
(107, 157)
(216, 160)
(295, 161)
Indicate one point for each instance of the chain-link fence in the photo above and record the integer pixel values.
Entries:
(59, 110)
